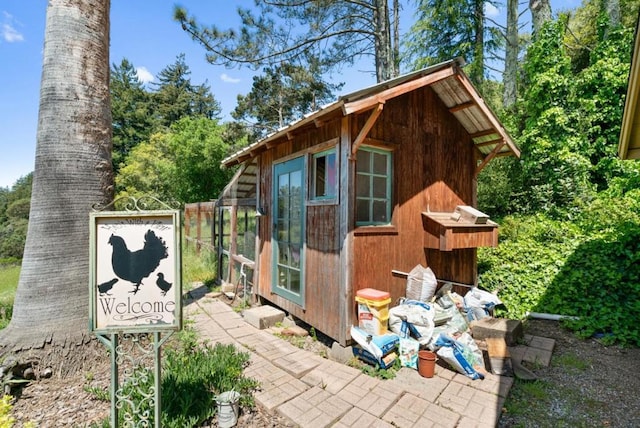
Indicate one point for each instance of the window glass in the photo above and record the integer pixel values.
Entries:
(373, 186)
(362, 211)
(379, 164)
(363, 161)
(324, 175)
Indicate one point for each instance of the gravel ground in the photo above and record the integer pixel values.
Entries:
(586, 385)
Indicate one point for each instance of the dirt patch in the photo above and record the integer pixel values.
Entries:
(586, 384)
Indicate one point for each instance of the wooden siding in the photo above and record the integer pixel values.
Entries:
(433, 164)
(322, 257)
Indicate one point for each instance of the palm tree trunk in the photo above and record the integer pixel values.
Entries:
(72, 173)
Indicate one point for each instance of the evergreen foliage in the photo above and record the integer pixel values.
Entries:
(449, 29)
(336, 32)
(131, 111)
(176, 96)
(281, 95)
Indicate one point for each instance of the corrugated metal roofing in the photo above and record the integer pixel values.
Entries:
(448, 81)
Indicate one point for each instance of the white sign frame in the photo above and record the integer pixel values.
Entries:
(135, 280)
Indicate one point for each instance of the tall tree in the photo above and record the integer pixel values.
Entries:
(131, 110)
(446, 29)
(612, 8)
(282, 94)
(176, 97)
(172, 164)
(72, 173)
(281, 31)
(540, 13)
(510, 75)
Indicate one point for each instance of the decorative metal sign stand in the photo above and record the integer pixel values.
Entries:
(135, 290)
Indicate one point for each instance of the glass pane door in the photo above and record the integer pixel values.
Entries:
(288, 230)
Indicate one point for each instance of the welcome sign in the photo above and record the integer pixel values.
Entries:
(135, 283)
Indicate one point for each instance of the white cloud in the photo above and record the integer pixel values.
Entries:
(228, 79)
(8, 31)
(490, 10)
(144, 75)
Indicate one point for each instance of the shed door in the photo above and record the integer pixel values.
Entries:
(288, 230)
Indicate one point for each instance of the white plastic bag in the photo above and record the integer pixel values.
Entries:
(421, 284)
(413, 319)
(479, 303)
(462, 354)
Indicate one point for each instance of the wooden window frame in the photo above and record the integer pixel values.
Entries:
(370, 226)
(313, 157)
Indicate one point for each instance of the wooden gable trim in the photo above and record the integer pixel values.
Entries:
(381, 97)
(365, 129)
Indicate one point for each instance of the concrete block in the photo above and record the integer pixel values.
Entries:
(262, 317)
(340, 354)
(227, 287)
(509, 330)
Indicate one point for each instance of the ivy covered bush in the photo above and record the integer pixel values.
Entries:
(588, 266)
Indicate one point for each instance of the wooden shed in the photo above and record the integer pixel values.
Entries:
(364, 186)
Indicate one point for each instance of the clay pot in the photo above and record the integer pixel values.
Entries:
(426, 363)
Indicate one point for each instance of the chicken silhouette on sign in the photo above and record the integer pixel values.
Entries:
(105, 287)
(163, 284)
(134, 266)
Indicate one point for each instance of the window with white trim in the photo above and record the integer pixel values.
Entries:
(373, 186)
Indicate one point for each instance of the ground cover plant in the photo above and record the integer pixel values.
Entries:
(587, 267)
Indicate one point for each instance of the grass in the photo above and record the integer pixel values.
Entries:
(197, 268)
(9, 276)
(8, 282)
(571, 363)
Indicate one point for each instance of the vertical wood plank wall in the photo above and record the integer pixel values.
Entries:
(433, 163)
(322, 252)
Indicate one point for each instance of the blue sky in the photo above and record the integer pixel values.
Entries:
(142, 31)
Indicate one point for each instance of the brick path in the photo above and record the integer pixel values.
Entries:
(315, 392)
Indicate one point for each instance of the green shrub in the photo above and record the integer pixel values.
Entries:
(193, 374)
(6, 420)
(587, 266)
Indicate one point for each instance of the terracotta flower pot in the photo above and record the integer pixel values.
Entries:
(426, 363)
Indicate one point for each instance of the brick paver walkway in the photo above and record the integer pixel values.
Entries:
(315, 392)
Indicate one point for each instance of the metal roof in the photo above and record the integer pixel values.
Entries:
(242, 185)
(450, 84)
